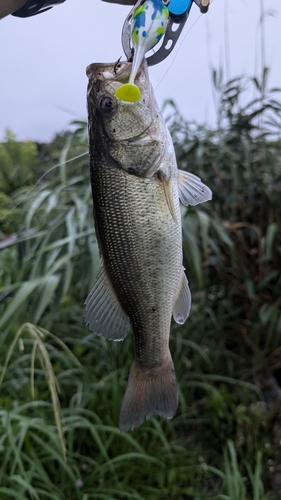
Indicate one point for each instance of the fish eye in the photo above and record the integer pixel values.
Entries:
(107, 104)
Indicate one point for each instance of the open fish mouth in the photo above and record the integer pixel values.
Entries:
(117, 74)
(142, 118)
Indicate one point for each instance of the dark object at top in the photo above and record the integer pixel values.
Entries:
(33, 7)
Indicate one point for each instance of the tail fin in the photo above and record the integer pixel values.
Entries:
(149, 392)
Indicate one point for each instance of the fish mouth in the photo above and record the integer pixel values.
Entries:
(116, 74)
(143, 138)
(148, 135)
(104, 79)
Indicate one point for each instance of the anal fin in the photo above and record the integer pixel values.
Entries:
(103, 313)
(182, 302)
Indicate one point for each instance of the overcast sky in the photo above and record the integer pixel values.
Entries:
(43, 60)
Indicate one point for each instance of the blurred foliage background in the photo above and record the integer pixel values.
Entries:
(61, 388)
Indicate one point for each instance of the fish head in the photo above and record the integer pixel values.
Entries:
(132, 132)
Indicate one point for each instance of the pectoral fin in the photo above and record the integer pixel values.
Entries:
(191, 190)
(182, 302)
(103, 313)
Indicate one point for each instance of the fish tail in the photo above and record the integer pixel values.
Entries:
(149, 392)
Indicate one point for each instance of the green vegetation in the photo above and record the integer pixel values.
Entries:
(19, 167)
(62, 388)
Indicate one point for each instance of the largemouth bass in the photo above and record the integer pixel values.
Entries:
(136, 187)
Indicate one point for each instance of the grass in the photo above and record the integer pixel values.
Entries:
(60, 384)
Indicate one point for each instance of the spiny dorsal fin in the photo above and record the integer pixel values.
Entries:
(103, 313)
(191, 190)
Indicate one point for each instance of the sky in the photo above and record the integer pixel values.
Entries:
(43, 60)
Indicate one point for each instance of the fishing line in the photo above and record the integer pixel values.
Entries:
(40, 179)
(83, 154)
(180, 46)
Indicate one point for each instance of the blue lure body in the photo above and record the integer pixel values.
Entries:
(149, 23)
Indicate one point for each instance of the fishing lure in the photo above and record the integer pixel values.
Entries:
(179, 12)
(149, 23)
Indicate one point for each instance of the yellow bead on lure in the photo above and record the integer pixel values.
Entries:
(148, 26)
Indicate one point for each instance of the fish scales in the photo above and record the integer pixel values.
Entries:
(138, 248)
(136, 188)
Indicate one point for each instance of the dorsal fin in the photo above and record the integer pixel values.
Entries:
(103, 313)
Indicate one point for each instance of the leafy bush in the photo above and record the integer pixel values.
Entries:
(18, 168)
(233, 244)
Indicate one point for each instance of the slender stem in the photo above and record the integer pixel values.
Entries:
(226, 42)
(262, 40)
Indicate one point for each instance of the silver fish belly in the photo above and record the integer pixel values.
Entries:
(136, 188)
